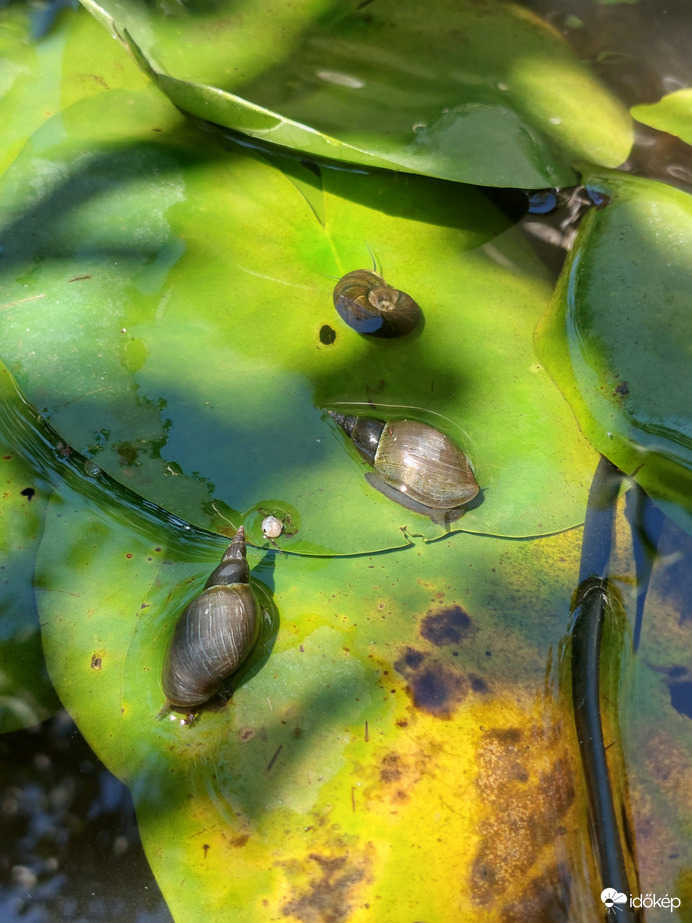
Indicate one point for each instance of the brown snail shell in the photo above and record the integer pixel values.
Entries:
(215, 633)
(368, 305)
(415, 459)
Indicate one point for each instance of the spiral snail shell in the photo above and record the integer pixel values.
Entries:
(415, 459)
(215, 633)
(271, 527)
(364, 300)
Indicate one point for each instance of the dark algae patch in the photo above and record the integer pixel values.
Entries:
(448, 627)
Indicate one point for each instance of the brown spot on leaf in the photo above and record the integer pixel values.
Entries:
(526, 787)
(484, 876)
(450, 626)
(96, 661)
(330, 898)
(557, 785)
(390, 770)
(238, 841)
(544, 900)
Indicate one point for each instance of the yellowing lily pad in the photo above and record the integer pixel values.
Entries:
(378, 748)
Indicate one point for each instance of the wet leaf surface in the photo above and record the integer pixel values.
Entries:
(168, 336)
(483, 94)
(616, 337)
(26, 694)
(672, 113)
(396, 746)
(397, 724)
(655, 729)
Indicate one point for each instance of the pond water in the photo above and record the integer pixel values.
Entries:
(69, 843)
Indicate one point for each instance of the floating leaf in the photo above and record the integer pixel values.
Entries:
(382, 753)
(28, 92)
(164, 303)
(484, 94)
(26, 694)
(672, 113)
(655, 720)
(616, 338)
(44, 73)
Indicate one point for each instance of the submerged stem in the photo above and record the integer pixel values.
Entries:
(591, 609)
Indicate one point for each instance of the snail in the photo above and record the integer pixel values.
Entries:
(271, 527)
(215, 633)
(415, 459)
(368, 305)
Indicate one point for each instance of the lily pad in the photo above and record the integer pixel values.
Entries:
(164, 304)
(485, 94)
(655, 718)
(398, 723)
(672, 113)
(28, 89)
(46, 68)
(617, 336)
(26, 694)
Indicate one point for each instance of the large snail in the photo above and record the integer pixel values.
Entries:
(215, 633)
(415, 459)
(367, 304)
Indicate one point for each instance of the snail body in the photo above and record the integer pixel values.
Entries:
(367, 304)
(215, 632)
(415, 459)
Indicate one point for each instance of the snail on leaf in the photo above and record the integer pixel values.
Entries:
(367, 304)
(417, 462)
(215, 633)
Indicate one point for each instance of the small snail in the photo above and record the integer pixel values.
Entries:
(271, 527)
(368, 305)
(413, 458)
(215, 633)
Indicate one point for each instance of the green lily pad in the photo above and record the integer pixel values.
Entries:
(672, 113)
(485, 94)
(334, 773)
(47, 67)
(616, 338)
(28, 91)
(26, 694)
(164, 304)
